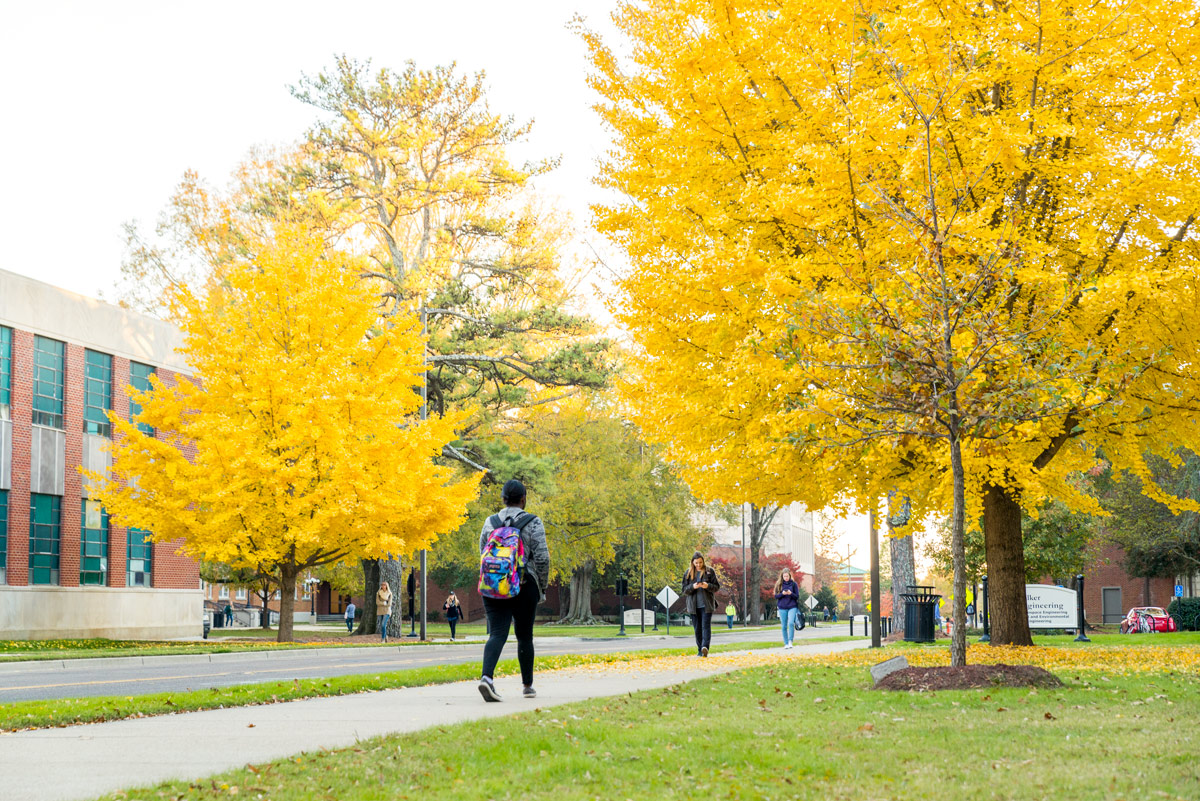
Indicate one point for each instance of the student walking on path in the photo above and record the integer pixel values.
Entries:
(350, 610)
(453, 612)
(699, 586)
(383, 608)
(530, 568)
(787, 597)
(730, 614)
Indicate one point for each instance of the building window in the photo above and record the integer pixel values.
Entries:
(223, 592)
(139, 378)
(93, 544)
(49, 357)
(3, 536)
(138, 566)
(240, 595)
(97, 392)
(5, 369)
(45, 533)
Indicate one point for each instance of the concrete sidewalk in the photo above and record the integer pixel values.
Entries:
(83, 762)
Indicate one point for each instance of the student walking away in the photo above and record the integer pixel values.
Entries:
(787, 598)
(228, 615)
(350, 610)
(514, 571)
(383, 608)
(699, 586)
(730, 614)
(453, 612)
(825, 613)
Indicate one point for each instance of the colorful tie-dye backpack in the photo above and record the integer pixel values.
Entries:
(502, 563)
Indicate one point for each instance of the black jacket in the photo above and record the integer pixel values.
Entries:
(702, 598)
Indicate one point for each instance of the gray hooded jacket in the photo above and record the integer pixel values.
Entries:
(537, 553)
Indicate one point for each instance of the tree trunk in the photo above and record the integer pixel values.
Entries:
(579, 611)
(265, 596)
(755, 593)
(904, 571)
(368, 624)
(392, 571)
(1005, 552)
(958, 550)
(761, 518)
(287, 603)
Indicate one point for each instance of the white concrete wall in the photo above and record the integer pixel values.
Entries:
(47, 310)
(47, 613)
(791, 532)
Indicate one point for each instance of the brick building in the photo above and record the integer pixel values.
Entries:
(1109, 592)
(65, 571)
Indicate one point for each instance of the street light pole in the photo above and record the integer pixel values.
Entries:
(876, 639)
(424, 417)
(643, 612)
(745, 585)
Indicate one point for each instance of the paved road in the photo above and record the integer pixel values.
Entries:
(82, 762)
(27, 681)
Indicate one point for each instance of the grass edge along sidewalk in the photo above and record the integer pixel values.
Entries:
(20, 715)
(808, 728)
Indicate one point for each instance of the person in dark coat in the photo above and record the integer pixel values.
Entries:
(453, 612)
(787, 597)
(700, 585)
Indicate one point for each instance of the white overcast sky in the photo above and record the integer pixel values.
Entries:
(106, 104)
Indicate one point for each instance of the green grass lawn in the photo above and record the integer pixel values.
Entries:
(69, 711)
(798, 731)
(221, 641)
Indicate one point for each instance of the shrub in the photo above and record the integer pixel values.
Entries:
(1186, 612)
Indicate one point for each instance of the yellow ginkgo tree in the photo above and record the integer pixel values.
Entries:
(937, 247)
(299, 442)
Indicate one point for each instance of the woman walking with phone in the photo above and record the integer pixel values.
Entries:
(787, 597)
(699, 588)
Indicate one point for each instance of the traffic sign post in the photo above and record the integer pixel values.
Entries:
(1178, 590)
(667, 597)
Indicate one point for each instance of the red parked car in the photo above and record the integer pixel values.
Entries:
(1147, 619)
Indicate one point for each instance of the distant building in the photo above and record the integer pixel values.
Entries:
(791, 533)
(65, 571)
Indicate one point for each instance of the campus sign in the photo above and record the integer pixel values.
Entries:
(1051, 607)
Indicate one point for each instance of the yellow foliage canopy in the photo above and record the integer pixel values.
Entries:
(299, 442)
(851, 223)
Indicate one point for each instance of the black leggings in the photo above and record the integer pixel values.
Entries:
(702, 624)
(519, 612)
(452, 624)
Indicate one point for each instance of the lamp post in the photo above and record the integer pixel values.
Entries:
(987, 629)
(643, 612)
(745, 581)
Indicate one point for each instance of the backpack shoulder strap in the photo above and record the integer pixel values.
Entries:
(522, 520)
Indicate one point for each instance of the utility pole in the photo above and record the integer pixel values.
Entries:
(745, 585)
(643, 612)
(876, 639)
(424, 417)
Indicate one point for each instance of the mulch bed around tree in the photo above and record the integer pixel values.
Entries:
(968, 677)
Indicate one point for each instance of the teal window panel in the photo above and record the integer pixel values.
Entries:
(93, 544)
(139, 379)
(138, 558)
(3, 534)
(45, 537)
(49, 374)
(5, 366)
(97, 392)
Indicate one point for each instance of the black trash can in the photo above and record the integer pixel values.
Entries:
(920, 603)
(218, 619)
